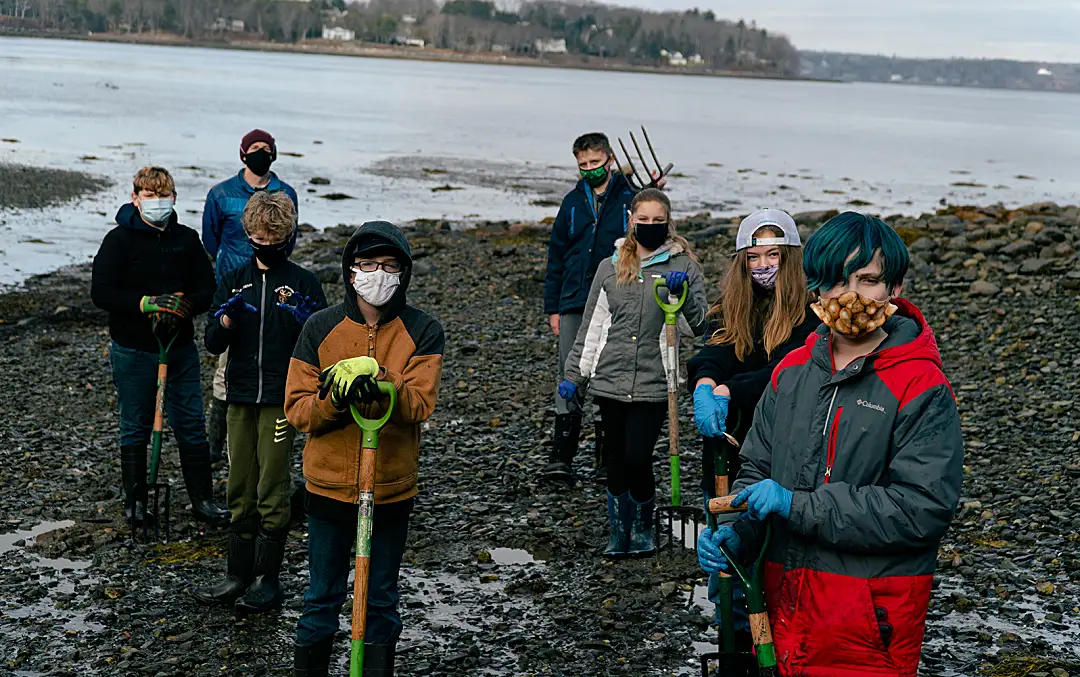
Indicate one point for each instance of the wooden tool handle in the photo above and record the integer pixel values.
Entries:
(723, 505)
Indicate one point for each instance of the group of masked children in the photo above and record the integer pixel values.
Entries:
(289, 363)
(828, 380)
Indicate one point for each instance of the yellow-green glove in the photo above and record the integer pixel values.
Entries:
(350, 381)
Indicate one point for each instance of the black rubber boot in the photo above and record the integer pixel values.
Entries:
(563, 449)
(619, 521)
(314, 660)
(239, 572)
(378, 660)
(641, 528)
(217, 429)
(265, 593)
(601, 458)
(195, 464)
(133, 478)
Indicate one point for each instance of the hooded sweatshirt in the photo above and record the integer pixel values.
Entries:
(874, 456)
(136, 260)
(408, 345)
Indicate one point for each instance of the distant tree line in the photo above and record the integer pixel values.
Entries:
(993, 73)
(590, 30)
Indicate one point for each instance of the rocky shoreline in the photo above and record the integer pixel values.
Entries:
(503, 575)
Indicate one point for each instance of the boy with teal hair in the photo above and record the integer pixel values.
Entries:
(855, 457)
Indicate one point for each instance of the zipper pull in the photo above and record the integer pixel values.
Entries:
(828, 473)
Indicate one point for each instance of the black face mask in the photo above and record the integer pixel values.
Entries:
(651, 236)
(259, 161)
(270, 254)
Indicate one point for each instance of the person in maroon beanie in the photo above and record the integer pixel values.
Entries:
(227, 243)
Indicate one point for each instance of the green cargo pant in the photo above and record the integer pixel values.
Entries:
(260, 450)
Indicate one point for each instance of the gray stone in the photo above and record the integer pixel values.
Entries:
(1035, 265)
(958, 243)
(984, 288)
(988, 246)
(924, 244)
(1019, 247)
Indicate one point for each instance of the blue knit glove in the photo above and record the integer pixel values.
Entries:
(235, 308)
(763, 499)
(567, 390)
(302, 310)
(710, 411)
(674, 281)
(708, 548)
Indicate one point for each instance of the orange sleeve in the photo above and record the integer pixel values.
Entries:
(418, 388)
(303, 408)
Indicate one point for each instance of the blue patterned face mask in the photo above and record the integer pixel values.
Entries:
(765, 276)
(157, 210)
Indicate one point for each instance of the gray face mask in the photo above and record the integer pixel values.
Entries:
(157, 210)
(765, 277)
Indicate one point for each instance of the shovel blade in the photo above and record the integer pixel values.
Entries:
(728, 665)
(678, 526)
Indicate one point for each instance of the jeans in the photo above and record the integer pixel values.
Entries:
(134, 373)
(331, 559)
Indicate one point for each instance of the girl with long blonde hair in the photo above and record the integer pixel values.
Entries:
(618, 355)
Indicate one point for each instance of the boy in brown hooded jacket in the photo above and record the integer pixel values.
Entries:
(372, 336)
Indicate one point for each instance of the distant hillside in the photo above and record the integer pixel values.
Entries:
(548, 30)
(992, 73)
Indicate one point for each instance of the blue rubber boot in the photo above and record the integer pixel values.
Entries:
(641, 528)
(618, 517)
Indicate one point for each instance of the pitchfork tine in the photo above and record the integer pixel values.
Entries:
(648, 143)
(644, 163)
(630, 162)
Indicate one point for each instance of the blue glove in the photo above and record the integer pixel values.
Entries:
(710, 411)
(675, 280)
(567, 390)
(708, 548)
(304, 309)
(235, 308)
(763, 499)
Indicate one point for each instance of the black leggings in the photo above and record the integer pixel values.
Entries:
(630, 433)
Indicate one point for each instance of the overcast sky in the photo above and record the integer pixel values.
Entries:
(1031, 30)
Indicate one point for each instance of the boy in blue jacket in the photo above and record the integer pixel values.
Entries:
(592, 217)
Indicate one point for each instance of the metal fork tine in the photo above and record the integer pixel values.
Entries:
(648, 143)
(635, 183)
(641, 156)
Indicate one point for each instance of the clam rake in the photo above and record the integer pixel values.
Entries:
(151, 487)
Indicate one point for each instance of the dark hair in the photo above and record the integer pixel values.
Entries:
(825, 256)
(592, 141)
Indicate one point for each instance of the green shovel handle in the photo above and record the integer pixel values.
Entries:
(371, 427)
(670, 309)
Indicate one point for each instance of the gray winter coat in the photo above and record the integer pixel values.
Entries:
(874, 456)
(618, 348)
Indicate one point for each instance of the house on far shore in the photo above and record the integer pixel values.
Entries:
(551, 46)
(1045, 72)
(337, 33)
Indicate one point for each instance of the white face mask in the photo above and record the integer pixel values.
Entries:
(157, 210)
(376, 287)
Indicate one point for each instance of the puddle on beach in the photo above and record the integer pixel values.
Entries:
(514, 556)
(682, 531)
(64, 578)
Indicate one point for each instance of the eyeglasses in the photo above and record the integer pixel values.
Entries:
(391, 267)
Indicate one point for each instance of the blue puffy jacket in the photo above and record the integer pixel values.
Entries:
(580, 239)
(222, 225)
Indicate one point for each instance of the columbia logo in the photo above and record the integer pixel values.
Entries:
(871, 405)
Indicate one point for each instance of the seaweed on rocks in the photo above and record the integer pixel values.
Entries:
(24, 187)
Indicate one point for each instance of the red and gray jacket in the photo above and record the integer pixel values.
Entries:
(874, 456)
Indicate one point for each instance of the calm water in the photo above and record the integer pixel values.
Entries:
(483, 129)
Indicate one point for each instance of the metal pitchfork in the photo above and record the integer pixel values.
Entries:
(689, 518)
(636, 181)
(162, 328)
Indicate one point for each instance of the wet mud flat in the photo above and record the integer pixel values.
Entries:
(25, 187)
(502, 575)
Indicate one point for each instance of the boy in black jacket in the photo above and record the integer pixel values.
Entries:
(152, 269)
(259, 310)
